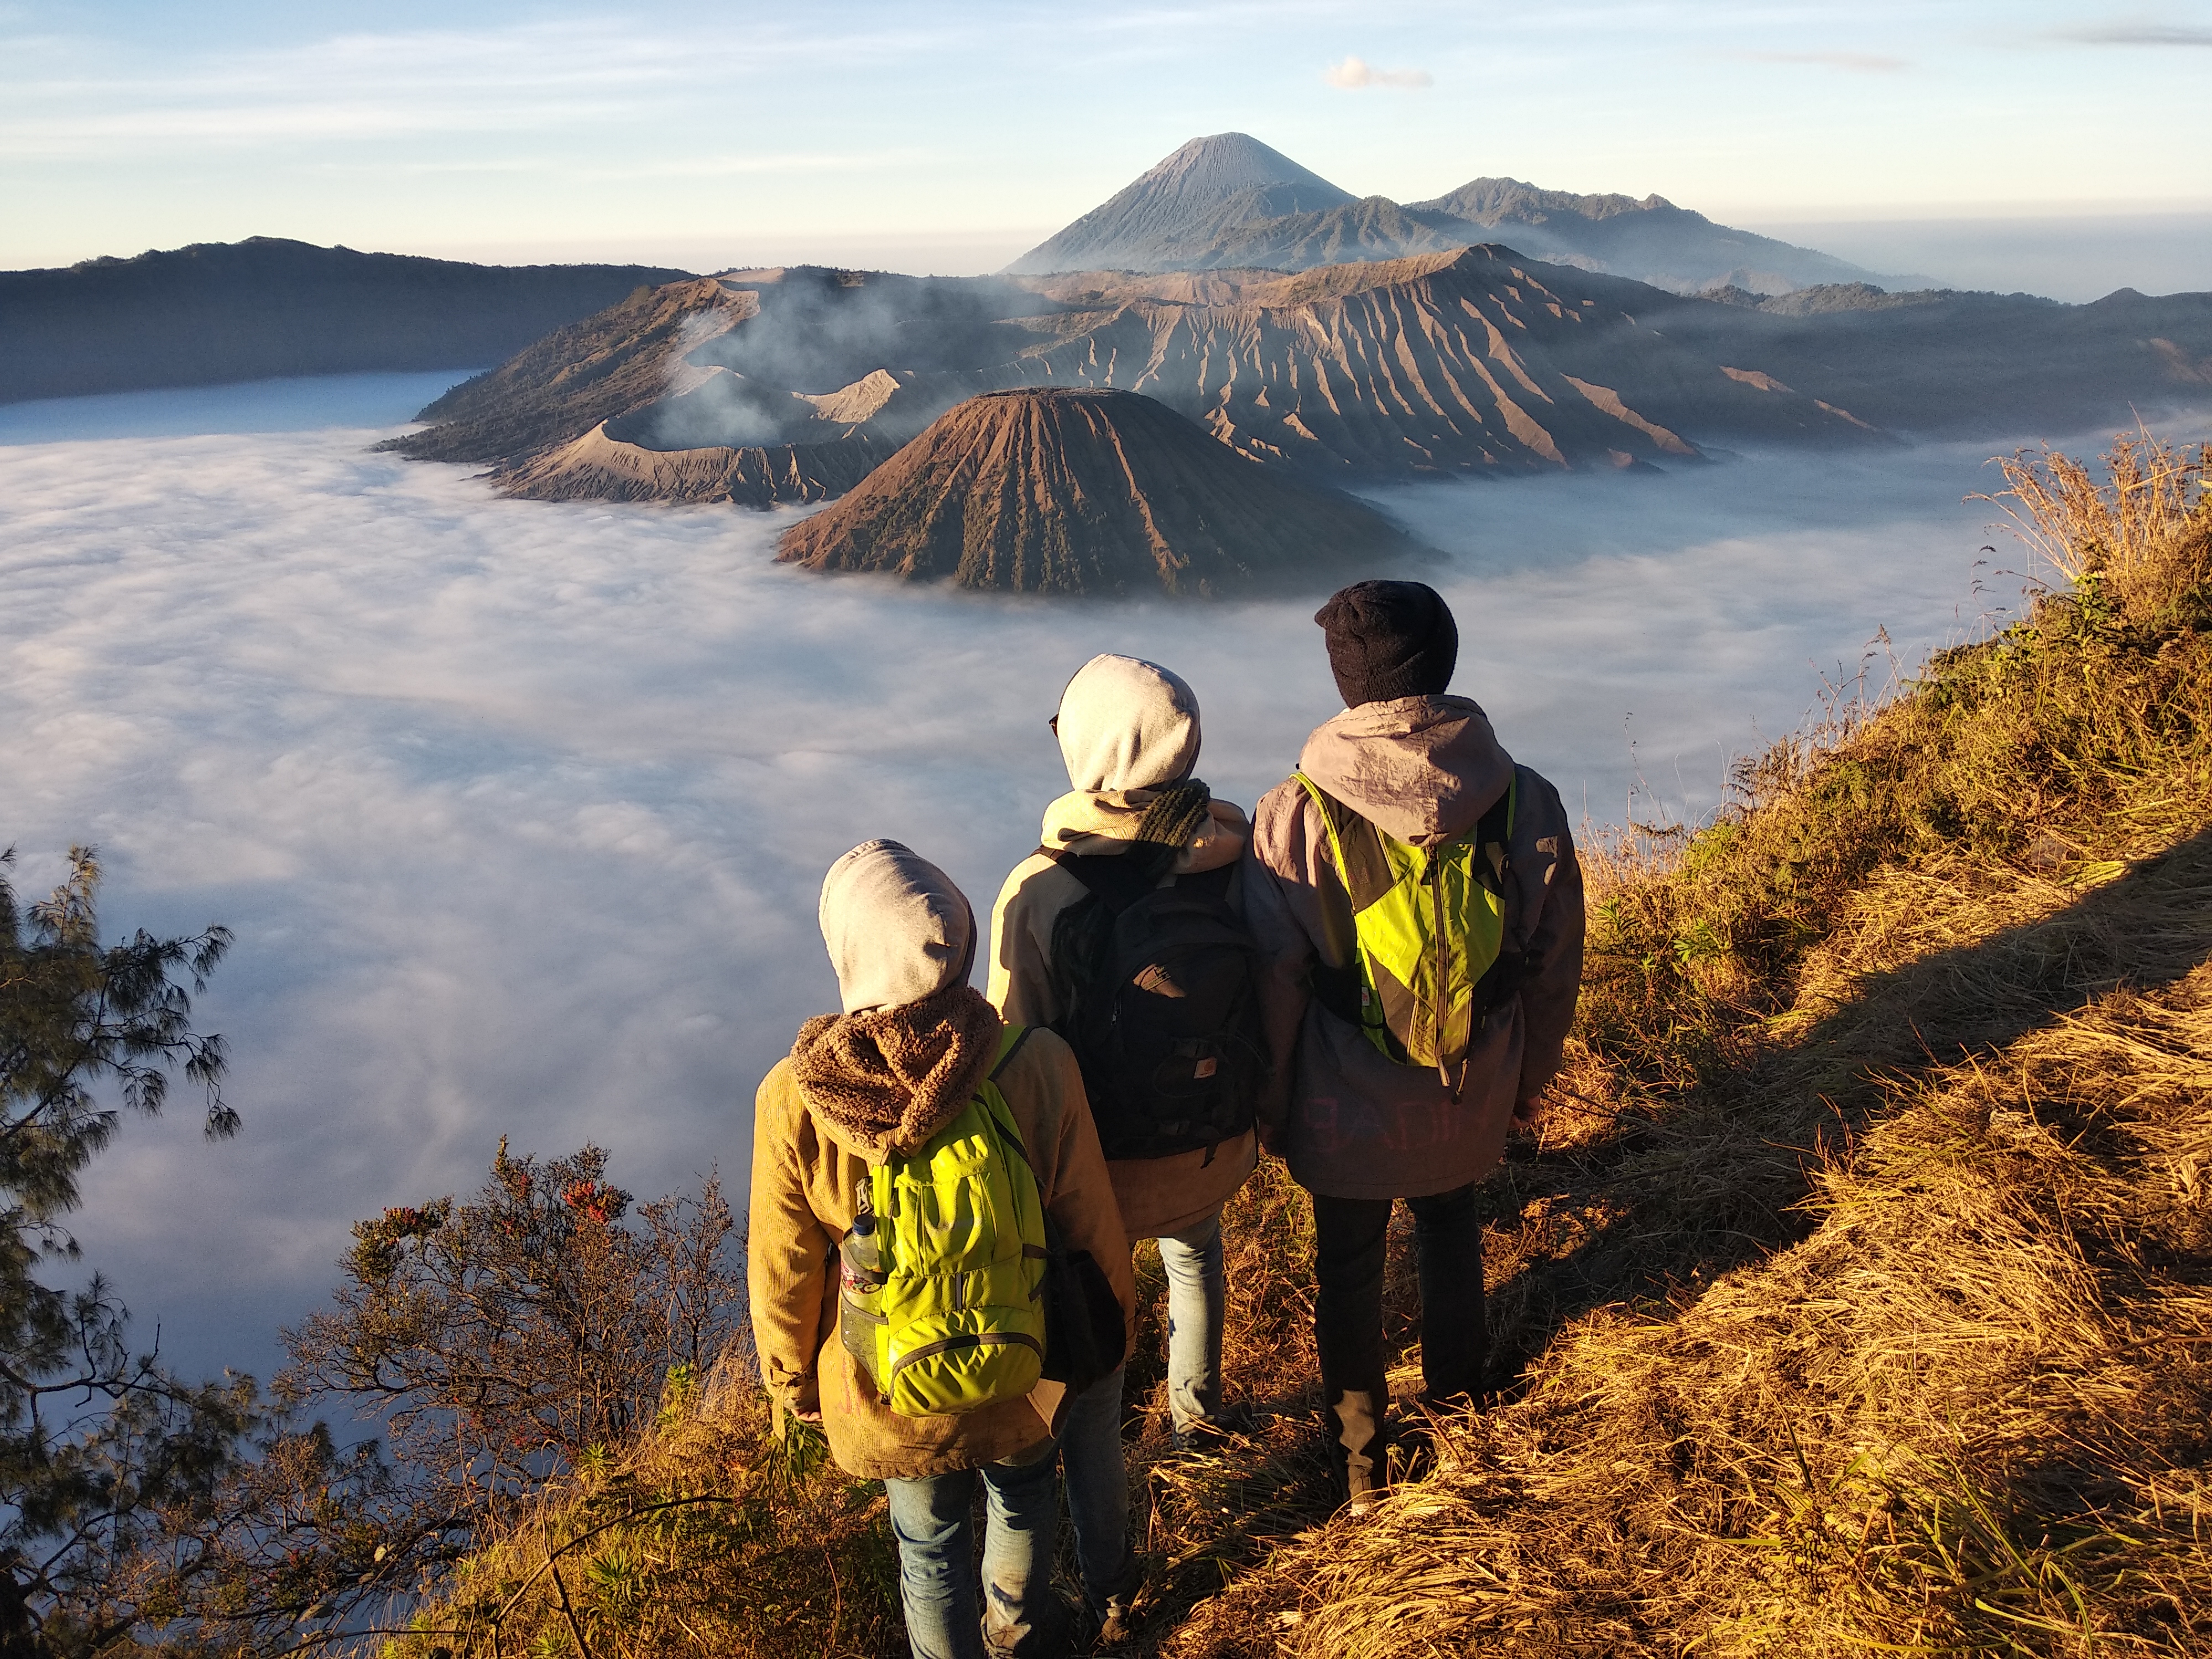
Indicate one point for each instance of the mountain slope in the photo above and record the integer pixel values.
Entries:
(565, 384)
(1652, 240)
(727, 362)
(1083, 492)
(761, 387)
(1471, 361)
(219, 312)
(1209, 183)
(1965, 363)
(1373, 227)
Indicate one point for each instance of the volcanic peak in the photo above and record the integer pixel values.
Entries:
(1207, 187)
(1056, 490)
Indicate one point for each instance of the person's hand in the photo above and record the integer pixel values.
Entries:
(1525, 1112)
(813, 1417)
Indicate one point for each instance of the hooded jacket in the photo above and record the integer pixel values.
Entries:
(1353, 1123)
(901, 938)
(1127, 730)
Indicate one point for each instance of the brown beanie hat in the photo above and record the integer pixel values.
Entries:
(1388, 639)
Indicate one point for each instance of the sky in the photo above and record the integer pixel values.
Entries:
(519, 810)
(952, 136)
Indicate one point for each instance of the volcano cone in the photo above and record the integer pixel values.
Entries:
(1086, 492)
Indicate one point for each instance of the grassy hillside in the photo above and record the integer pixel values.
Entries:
(1856, 1294)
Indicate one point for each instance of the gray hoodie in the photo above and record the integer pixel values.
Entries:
(1353, 1123)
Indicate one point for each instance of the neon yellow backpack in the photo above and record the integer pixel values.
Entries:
(941, 1279)
(1430, 925)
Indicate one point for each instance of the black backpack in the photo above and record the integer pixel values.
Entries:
(1161, 1004)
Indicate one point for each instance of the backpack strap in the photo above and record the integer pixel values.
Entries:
(1010, 1044)
(1493, 840)
(1363, 873)
(1011, 1039)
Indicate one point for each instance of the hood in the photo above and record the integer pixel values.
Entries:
(1088, 823)
(898, 929)
(1421, 769)
(1127, 723)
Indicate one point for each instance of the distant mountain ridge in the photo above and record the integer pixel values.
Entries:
(792, 385)
(1229, 201)
(267, 307)
(788, 386)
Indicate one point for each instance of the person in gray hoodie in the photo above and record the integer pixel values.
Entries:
(1129, 732)
(1359, 1122)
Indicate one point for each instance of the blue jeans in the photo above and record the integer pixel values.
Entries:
(930, 1517)
(1091, 1434)
(1198, 1297)
(1098, 1489)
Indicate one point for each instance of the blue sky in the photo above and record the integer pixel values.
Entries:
(699, 134)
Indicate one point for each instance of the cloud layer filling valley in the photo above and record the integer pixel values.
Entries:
(519, 809)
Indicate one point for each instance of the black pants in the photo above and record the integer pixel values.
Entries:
(1349, 1240)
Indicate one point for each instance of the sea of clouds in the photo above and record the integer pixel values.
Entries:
(519, 810)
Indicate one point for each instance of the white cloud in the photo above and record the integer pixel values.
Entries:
(519, 809)
(1855, 62)
(551, 77)
(2140, 32)
(1356, 73)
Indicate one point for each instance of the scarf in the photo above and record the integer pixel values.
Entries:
(888, 1078)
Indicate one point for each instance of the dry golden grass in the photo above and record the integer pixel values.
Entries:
(711, 1537)
(1967, 1413)
(2141, 542)
(1853, 1297)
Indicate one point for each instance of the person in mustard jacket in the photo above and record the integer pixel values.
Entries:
(910, 1049)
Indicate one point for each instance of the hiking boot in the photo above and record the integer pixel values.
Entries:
(1362, 1492)
(1117, 1625)
(1211, 1433)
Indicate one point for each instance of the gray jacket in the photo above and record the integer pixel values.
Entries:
(1353, 1122)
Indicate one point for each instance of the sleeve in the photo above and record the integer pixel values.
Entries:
(1081, 1194)
(1552, 970)
(786, 1258)
(1019, 982)
(1275, 867)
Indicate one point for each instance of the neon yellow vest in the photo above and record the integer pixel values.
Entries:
(1430, 926)
(941, 1279)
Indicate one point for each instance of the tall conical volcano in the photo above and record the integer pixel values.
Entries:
(1058, 491)
(1206, 188)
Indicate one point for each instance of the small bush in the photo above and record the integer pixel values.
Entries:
(709, 1534)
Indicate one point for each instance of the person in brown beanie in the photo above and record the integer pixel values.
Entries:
(1419, 915)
